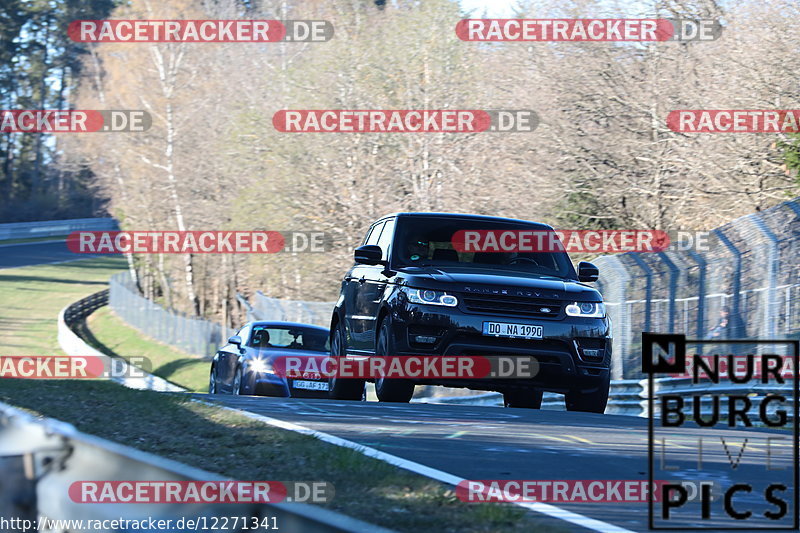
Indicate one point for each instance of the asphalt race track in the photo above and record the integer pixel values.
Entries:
(494, 443)
(37, 253)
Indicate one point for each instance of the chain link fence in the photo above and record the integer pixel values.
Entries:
(265, 308)
(743, 283)
(190, 334)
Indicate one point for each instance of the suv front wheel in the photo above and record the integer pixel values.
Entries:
(390, 390)
(340, 388)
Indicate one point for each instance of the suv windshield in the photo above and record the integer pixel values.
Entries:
(428, 241)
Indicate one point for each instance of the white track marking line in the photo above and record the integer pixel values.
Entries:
(417, 468)
(52, 262)
(31, 243)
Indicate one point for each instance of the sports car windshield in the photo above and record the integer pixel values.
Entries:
(438, 242)
(292, 338)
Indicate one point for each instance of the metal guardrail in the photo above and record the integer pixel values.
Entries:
(490, 398)
(54, 228)
(73, 345)
(42, 458)
(85, 307)
(628, 397)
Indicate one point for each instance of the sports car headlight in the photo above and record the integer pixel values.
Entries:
(586, 309)
(430, 297)
(260, 365)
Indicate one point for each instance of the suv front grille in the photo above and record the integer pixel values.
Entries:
(512, 305)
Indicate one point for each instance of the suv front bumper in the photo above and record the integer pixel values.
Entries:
(563, 353)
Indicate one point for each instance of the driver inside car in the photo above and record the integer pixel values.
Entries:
(262, 339)
(295, 344)
(418, 250)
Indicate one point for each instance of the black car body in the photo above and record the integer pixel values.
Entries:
(247, 363)
(379, 310)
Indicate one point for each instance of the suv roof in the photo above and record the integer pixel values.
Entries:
(466, 216)
(279, 324)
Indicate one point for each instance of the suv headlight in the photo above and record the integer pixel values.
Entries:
(431, 297)
(586, 309)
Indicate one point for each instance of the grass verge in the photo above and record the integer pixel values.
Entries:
(32, 297)
(108, 333)
(228, 443)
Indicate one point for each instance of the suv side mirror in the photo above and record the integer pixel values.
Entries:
(587, 272)
(235, 339)
(370, 254)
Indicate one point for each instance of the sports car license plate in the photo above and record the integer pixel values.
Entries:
(310, 385)
(509, 329)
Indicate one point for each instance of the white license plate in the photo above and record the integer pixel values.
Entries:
(310, 385)
(509, 329)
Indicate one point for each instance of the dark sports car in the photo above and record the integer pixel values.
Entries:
(246, 365)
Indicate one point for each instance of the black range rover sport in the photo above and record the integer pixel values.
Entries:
(412, 292)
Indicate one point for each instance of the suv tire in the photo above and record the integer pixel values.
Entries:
(525, 398)
(338, 388)
(592, 402)
(390, 390)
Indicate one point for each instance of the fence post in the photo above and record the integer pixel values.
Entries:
(794, 206)
(701, 296)
(648, 290)
(769, 320)
(673, 289)
(737, 274)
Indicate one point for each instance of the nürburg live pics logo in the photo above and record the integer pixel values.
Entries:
(722, 416)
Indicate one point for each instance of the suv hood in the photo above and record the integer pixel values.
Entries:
(511, 283)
